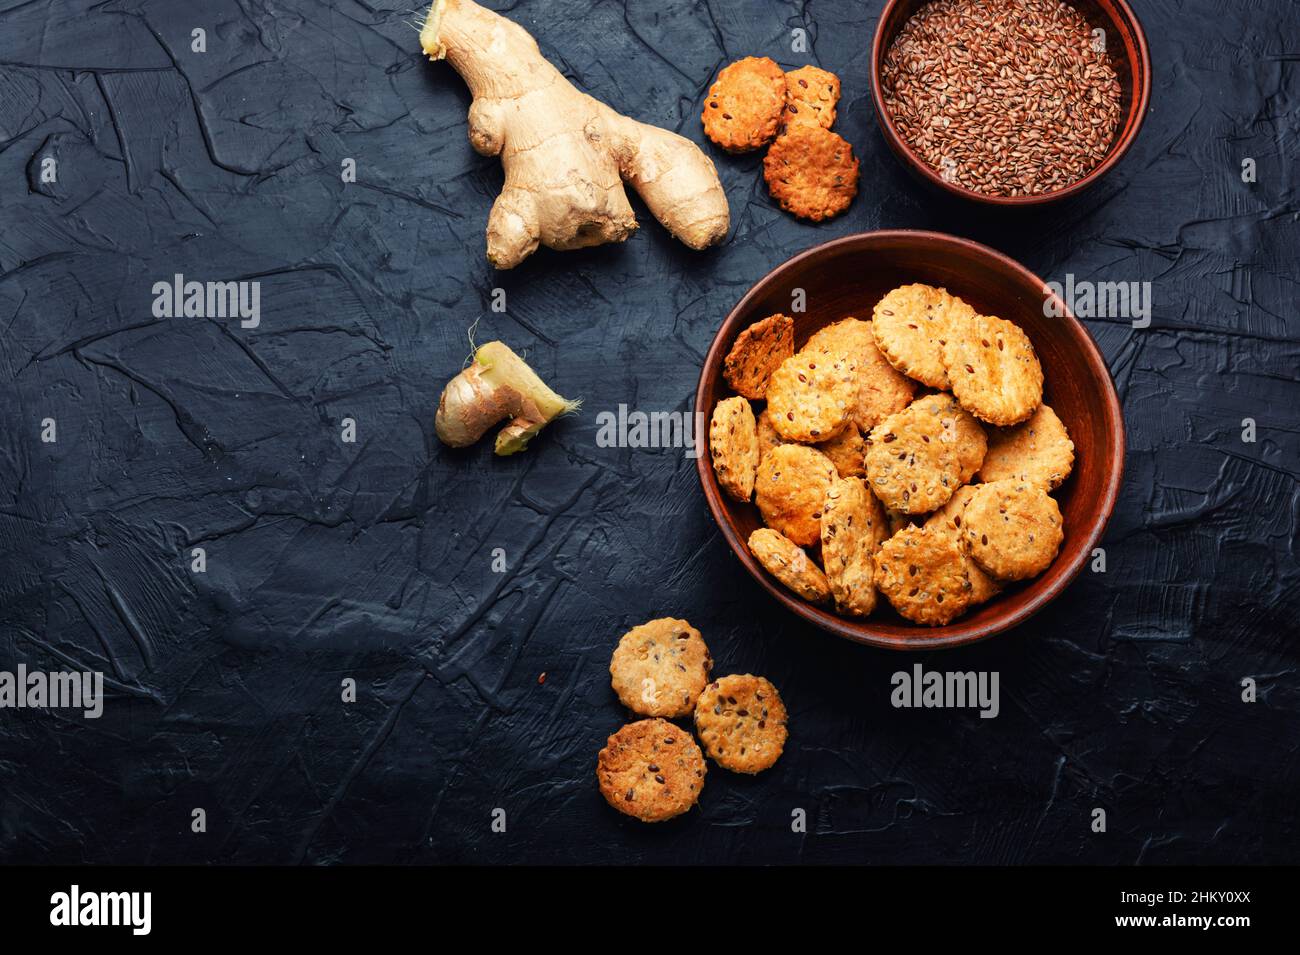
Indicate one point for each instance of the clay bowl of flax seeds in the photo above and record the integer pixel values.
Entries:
(1010, 102)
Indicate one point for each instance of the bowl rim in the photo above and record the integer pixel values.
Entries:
(926, 638)
(908, 156)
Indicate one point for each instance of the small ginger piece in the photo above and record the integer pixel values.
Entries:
(497, 385)
(565, 154)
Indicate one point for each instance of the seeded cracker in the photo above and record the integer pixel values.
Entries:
(949, 519)
(743, 108)
(733, 443)
(853, 526)
(911, 325)
(811, 172)
(1014, 529)
(742, 723)
(1038, 451)
(847, 451)
(758, 351)
(651, 770)
(922, 573)
(917, 458)
(791, 486)
(993, 369)
(767, 436)
(660, 667)
(882, 389)
(811, 94)
(811, 396)
(788, 563)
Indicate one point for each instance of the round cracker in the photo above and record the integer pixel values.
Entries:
(651, 770)
(853, 526)
(918, 457)
(1038, 450)
(757, 352)
(1013, 528)
(922, 573)
(791, 486)
(733, 444)
(847, 451)
(742, 723)
(767, 434)
(811, 172)
(789, 563)
(911, 326)
(811, 95)
(660, 667)
(743, 108)
(810, 397)
(949, 519)
(882, 389)
(994, 371)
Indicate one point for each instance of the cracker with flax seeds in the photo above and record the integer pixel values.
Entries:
(742, 723)
(789, 563)
(922, 572)
(791, 486)
(757, 352)
(1014, 529)
(811, 172)
(1038, 450)
(733, 444)
(660, 667)
(847, 451)
(651, 770)
(744, 105)
(811, 95)
(949, 519)
(767, 436)
(853, 527)
(811, 396)
(917, 458)
(994, 371)
(911, 326)
(882, 389)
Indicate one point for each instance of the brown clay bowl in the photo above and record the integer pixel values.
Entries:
(847, 277)
(1129, 53)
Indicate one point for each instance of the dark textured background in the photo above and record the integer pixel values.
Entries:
(372, 560)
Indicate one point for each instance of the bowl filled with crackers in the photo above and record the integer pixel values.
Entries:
(912, 443)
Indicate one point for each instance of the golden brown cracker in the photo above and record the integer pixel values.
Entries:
(744, 105)
(733, 443)
(660, 667)
(651, 770)
(757, 352)
(1038, 450)
(911, 326)
(768, 438)
(918, 457)
(789, 563)
(1014, 529)
(791, 485)
(922, 573)
(949, 519)
(847, 451)
(994, 371)
(742, 723)
(882, 389)
(811, 396)
(811, 95)
(853, 526)
(811, 172)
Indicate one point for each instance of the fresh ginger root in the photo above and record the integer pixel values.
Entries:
(497, 385)
(565, 154)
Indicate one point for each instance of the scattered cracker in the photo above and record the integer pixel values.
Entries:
(922, 573)
(733, 442)
(744, 105)
(1038, 450)
(788, 563)
(1014, 529)
(993, 369)
(651, 770)
(949, 519)
(791, 486)
(882, 389)
(660, 667)
(847, 451)
(917, 458)
(811, 172)
(811, 95)
(742, 723)
(768, 438)
(811, 396)
(757, 352)
(853, 526)
(911, 325)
